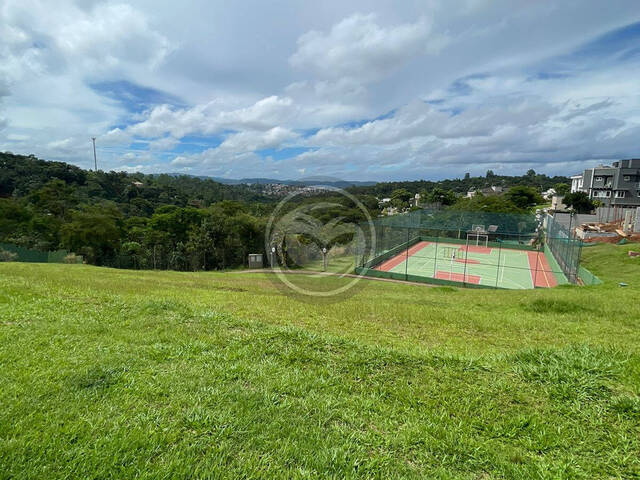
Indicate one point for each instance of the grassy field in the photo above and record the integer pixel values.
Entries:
(121, 374)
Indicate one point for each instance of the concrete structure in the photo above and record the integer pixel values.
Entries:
(557, 203)
(616, 185)
(601, 215)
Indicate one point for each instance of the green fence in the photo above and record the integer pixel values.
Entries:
(565, 247)
(474, 249)
(21, 254)
(588, 278)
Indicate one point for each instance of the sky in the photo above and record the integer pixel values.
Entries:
(358, 90)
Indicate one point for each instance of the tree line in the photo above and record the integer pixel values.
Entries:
(134, 220)
(460, 186)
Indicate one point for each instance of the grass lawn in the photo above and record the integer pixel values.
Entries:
(341, 264)
(120, 374)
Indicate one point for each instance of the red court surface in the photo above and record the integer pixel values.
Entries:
(457, 277)
(476, 249)
(401, 257)
(544, 277)
(468, 261)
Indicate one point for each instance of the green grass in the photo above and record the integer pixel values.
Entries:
(338, 264)
(121, 374)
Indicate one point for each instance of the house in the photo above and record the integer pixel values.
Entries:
(137, 184)
(384, 201)
(391, 211)
(415, 201)
(492, 190)
(615, 185)
(548, 195)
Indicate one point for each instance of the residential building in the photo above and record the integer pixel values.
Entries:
(614, 185)
(492, 190)
(547, 195)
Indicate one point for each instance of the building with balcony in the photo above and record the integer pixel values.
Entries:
(615, 185)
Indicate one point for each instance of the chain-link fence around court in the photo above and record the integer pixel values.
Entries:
(475, 249)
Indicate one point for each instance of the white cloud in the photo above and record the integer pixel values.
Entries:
(249, 141)
(49, 55)
(130, 168)
(165, 143)
(357, 47)
(210, 118)
(309, 75)
(115, 136)
(40, 40)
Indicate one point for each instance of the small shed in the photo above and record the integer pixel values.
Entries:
(255, 260)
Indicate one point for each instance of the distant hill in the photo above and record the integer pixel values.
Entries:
(302, 182)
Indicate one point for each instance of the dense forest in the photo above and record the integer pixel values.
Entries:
(132, 220)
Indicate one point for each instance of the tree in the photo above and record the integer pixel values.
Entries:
(370, 202)
(400, 198)
(401, 194)
(54, 198)
(135, 252)
(438, 195)
(524, 197)
(493, 203)
(95, 231)
(579, 201)
(562, 189)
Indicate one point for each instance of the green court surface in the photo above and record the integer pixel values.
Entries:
(494, 267)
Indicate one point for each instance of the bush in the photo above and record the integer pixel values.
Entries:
(72, 258)
(7, 256)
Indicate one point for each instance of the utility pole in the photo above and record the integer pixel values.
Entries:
(95, 160)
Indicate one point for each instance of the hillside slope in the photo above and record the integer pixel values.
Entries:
(123, 373)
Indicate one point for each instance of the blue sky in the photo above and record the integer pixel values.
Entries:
(374, 90)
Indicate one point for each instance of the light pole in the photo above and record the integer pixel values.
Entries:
(324, 259)
(95, 159)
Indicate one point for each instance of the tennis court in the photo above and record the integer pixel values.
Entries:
(473, 264)
(472, 249)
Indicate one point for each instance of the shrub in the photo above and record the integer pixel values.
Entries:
(72, 258)
(7, 256)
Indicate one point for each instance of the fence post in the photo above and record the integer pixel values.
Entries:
(535, 275)
(435, 258)
(466, 256)
(498, 269)
(406, 261)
